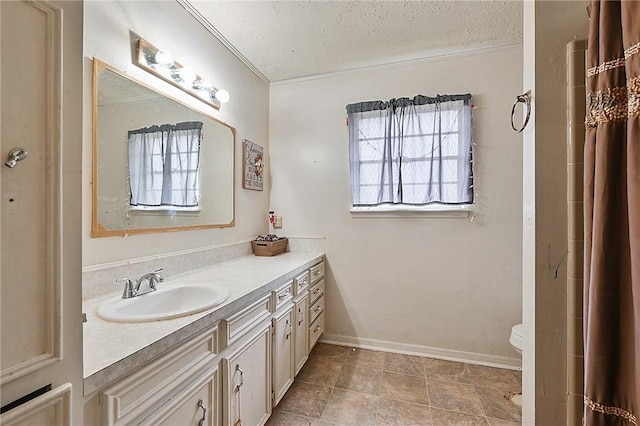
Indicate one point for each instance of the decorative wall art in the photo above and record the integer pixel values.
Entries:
(252, 166)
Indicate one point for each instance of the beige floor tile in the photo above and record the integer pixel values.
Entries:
(490, 377)
(282, 418)
(402, 413)
(359, 379)
(404, 364)
(404, 387)
(446, 370)
(497, 405)
(449, 418)
(365, 358)
(319, 371)
(305, 399)
(498, 422)
(329, 352)
(457, 397)
(350, 408)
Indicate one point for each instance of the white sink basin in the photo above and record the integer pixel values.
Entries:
(164, 303)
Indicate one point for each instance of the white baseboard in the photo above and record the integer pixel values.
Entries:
(427, 351)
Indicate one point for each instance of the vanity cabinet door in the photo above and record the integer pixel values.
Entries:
(194, 406)
(301, 337)
(246, 394)
(283, 357)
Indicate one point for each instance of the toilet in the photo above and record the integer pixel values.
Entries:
(516, 337)
(516, 341)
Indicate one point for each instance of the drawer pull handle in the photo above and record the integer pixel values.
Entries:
(241, 377)
(317, 329)
(204, 413)
(317, 308)
(301, 316)
(290, 330)
(316, 291)
(284, 295)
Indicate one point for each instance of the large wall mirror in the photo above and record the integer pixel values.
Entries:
(158, 164)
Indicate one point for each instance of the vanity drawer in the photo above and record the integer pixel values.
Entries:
(315, 331)
(316, 308)
(317, 272)
(316, 291)
(151, 387)
(301, 283)
(282, 295)
(243, 321)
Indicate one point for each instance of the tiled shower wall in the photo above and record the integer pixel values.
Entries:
(576, 101)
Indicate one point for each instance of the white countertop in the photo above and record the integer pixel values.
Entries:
(113, 349)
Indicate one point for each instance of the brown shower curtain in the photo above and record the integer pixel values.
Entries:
(612, 215)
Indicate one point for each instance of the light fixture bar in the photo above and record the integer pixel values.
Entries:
(162, 65)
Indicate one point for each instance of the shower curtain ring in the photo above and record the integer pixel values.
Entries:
(525, 99)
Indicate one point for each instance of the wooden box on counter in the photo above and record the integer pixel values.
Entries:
(269, 248)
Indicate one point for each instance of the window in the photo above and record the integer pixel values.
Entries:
(163, 166)
(410, 153)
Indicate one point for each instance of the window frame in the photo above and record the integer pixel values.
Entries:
(400, 209)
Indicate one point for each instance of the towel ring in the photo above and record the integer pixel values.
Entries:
(525, 99)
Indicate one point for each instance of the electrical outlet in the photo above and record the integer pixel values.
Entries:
(278, 222)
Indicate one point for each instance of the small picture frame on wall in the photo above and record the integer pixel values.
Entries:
(252, 165)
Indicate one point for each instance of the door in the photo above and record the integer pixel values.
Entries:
(41, 348)
(246, 394)
(283, 357)
(301, 337)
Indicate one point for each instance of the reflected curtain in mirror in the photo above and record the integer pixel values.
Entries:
(163, 165)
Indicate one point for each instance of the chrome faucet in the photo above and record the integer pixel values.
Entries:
(132, 289)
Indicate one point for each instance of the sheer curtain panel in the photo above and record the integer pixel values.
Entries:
(412, 152)
(163, 165)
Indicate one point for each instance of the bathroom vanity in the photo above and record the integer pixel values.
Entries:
(227, 364)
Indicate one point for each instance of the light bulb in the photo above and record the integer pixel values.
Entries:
(164, 59)
(223, 96)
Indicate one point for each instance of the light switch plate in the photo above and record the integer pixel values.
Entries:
(278, 222)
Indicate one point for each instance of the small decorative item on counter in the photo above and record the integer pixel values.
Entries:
(269, 245)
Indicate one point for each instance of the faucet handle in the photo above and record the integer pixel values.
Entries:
(129, 290)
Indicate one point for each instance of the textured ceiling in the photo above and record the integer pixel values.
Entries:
(289, 39)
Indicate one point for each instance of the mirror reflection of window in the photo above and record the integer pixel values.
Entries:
(163, 167)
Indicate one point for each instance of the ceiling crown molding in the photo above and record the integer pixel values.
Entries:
(214, 31)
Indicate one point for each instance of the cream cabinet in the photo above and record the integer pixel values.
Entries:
(194, 406)
(180, 387)
(301, 336)
(283, 358)
(316, 304)
(231, 373)
(246, 393)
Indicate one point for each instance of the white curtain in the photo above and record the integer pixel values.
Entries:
(411, 151)
(163, 165)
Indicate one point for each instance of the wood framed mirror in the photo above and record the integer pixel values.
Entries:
(123, 106)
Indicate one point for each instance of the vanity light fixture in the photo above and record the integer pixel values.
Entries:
(162, 65)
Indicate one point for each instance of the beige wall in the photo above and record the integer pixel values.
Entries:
(109, 28)
(408, 283)
(556, 24)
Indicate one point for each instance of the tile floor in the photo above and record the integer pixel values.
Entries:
(346, 386)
